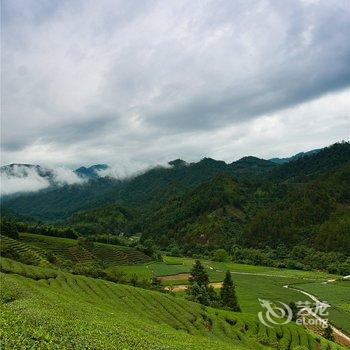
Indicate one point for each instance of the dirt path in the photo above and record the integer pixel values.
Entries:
(341, 337)
(177, 276)
(183, 287)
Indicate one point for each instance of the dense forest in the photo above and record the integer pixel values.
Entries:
(253, 206)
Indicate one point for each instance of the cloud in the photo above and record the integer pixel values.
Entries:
(126, 169)
(65, 176)
(22, 180)
(27, 178)
(133, 84)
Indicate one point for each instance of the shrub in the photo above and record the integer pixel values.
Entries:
(220, 255)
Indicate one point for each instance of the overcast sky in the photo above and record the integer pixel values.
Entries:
(135, 83)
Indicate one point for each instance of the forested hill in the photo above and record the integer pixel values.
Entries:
(251, 202)
(154, 186)
(313, 165)
(316, 213)
(211, 214)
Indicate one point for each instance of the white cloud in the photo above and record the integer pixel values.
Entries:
(65, 176)
(22, 180)
(140, 83)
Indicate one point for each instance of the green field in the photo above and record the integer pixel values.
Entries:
(175, 265)
(49, 309)
(337, 294)
(252, 282)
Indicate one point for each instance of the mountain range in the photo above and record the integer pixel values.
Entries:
(23, 170)
(252, 202)
(296, 156)
(247, 167)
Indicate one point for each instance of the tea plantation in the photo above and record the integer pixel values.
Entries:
(37, 250)
(43, 308)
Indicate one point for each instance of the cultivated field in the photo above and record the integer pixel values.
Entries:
(66, 251)
(47, 309)
(252, 282)
(337, 294)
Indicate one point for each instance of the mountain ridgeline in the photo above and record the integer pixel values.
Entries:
(251, 203)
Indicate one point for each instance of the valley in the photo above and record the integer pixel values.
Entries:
(111, 264)
(44, 281)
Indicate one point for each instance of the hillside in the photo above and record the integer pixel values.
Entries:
(316, 213)
(154, 185)
(310, 166)
(60, 203)
(160, 184)
(211, 214)
(295, 157)
(109, 219)
(210, 204)
(67, 253)
(36, 301)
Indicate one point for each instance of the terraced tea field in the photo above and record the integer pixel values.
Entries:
(43, 308)
(252, 282)
(66, 251)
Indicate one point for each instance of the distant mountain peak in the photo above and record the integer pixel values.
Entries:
(295, 157)
(251, 161)
(22, 170)
(212, 162)
(178, 163)
(91, 172)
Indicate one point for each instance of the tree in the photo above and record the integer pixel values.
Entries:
(199, 275)
(228, 296)
(199, 294)
(328, 332)
(175, 250)
(199, 289)
(156, 282)
(9, 228)
(220, 255)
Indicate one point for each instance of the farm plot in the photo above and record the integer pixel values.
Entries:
(76, 312)
(337, 294)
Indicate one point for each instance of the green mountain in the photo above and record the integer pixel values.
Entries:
(109, 219)
(313, 165)
(315, 213)
(155, 185)
(211, 214)
(295, 157)
(211, 204)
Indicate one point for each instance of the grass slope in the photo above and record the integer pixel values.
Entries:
(49, 309)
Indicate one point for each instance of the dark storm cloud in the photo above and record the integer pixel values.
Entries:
(81, 129)
(112, 81)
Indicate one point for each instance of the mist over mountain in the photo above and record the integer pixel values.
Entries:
(92, 172)
(158, 184)
(22, 178)
(25, 178)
